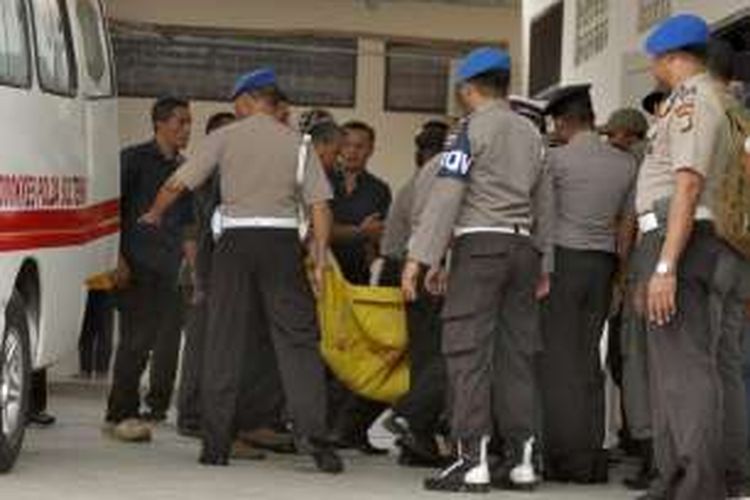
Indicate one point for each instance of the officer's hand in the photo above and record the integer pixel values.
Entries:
(409, 280)
(662, 290)
(121, 274)
(318, 279)
(372, 227)
(436, 281)
(150, 218)
(543, 287)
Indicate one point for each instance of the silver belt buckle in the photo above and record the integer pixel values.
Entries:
(217, 224)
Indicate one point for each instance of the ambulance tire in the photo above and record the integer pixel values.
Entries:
(15, 382)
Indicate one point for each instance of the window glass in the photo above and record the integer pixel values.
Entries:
(203, 64)
(54, 54)
(14, 47)
(92, 34)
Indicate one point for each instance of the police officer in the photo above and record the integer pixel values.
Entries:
(592, 186)
(732, 283)
(482, 196)
(257, 269)
(417, 416)
(626, 130)
(206, 199)
(676, 259)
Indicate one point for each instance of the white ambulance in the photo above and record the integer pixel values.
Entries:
(59, 187)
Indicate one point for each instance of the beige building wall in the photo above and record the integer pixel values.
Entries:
(619, 73)
(401, 20)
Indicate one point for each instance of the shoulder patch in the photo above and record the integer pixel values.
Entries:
(456, 160)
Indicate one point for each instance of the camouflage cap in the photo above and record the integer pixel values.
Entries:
(629, 119)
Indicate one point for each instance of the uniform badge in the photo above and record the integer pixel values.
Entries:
(456, 160)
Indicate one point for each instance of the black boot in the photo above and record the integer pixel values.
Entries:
(470, 473)
(647, 472)
(324, 454)
(518, 468)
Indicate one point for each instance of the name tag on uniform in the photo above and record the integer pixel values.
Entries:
(456, 160)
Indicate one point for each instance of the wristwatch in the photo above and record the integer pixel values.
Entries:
(664, 268)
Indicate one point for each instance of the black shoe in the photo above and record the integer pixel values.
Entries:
(190, 431)
(323, 453)
(589, 468)
(328, 461)
(468, 474)
(409, 457)
(361, 444)
(154, 417)
(647, 471)
(213, 460)
(42, 419)
(651, 496)
(642, 480)
(454, 479)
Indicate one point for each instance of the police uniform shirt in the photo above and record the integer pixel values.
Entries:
(422, 187)
(486, 180)
(257, 159)
(592, 185)
(691, 132)
(398, 223)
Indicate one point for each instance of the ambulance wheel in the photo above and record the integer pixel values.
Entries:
(15, 382)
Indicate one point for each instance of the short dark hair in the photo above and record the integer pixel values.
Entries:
(494, 83)
(164, 108)
(218, 120)
(271, 94)
(359, 126)
(282, 96)
(581, 112)
(721, 59)
(325, 132)
(700, 52)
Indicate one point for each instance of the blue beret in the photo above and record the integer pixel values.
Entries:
(677, 32)
(254, 80)
(481, 61)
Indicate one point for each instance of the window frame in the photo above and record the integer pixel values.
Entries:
(73, 84)
(107, 53)
(29, 80)
(387, 107)
(191, 37)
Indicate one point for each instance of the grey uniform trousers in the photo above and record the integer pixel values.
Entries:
(259, 273)
(685, 386)
(635, 377)
(492, 282)
(728, 310)
(571, 370)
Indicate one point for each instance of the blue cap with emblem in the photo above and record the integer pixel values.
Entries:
(480, 61)
(677, 32)
(254, 80)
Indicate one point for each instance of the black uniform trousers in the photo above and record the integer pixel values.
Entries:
(150, 328)
(259, 273)
(39, 392)
(491, 287)
(685, 384)
(95, 343)
(572, 376)
(262, 400)
(424, 405)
